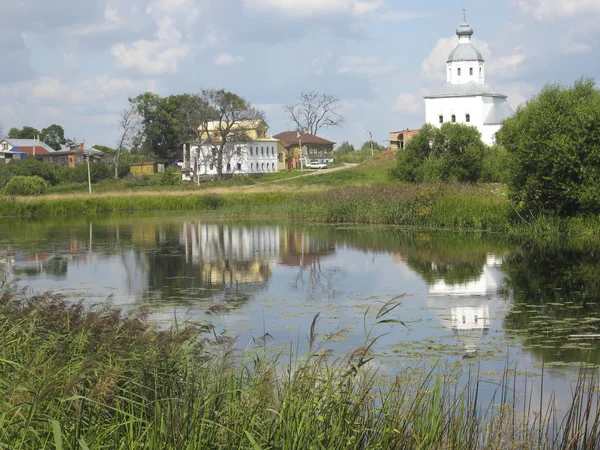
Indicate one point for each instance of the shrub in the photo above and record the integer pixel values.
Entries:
(170, 177)
(5, 175)
(554, 142)
(23, 185)
(495, 167)
(452, 153)
(32, 167)
(98, 171)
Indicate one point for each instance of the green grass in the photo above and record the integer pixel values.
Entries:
(275, 176)
(370, 172)
(76, 378)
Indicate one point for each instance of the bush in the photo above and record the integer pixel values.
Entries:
(23, 185)
(5, 175)
(452, 153)
(170, 177)
(554, 144)
(32, 167)
(98, 171)
(495, 167)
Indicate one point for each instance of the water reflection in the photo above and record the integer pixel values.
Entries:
(466, 293)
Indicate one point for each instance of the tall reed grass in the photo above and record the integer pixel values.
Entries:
(77, 378)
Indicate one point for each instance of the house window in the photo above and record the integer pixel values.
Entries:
(262, 166)
(441, 119)
(459, 71)
(273, 166)
(453, 118)
(4, 146)
(467, 118)
(239, 166)
(273, 151)
(238, 151)
(262, 151)
(471, 71)
(211, 166)
(251, 151)
(228, 167)
(251, 166)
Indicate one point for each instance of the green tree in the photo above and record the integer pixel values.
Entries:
(554, 143)
(344, 148)
(223, 113)
(366, 147)
(54, 136)
(161, 130)
(26, 132)
(452, 153)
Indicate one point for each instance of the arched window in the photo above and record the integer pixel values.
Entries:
(453, 118)
(467, 118)
(441, 119)
(459, 71)
(471, 71)
(480, 71)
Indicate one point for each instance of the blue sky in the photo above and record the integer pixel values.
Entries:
(75, 62)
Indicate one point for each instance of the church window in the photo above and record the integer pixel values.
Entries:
(471, 71)
(459, 71)
(467, 118)
(251, 166)
(251, 151)
(441, 119)
(480, 71)
(453, 118)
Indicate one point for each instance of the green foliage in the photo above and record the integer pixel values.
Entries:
(98, 171)
(24, 185)
(344, 148)
(366, 147)
(26, 133)
(105, 149)
(5, 175)
(170, 177)
(54, 136)
(495, 167)
(452, 153)
(32, 167)
(554, 142)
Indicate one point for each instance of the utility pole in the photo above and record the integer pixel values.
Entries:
(89, 173)
(371, 138)
(299, 136)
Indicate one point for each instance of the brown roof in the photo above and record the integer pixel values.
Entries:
(291, 138)
(29, 150)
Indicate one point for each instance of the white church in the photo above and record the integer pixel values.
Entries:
(466, 98)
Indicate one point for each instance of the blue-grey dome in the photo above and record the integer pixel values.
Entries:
(465, 52)
(464, 30)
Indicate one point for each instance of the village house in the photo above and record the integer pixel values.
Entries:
(17, 149)
(252, 151)
(398, 139)
(74, 155)
(314, 148)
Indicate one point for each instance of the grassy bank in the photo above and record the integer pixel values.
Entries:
(77, 379)
(437, 206)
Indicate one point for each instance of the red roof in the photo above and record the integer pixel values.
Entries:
(29, 150)
(291, 138)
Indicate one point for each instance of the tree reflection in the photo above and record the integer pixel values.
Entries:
(556, 293)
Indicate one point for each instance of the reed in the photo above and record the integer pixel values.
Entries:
(77, 378)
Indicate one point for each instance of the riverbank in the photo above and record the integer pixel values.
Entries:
(88, 378)
(438, 206)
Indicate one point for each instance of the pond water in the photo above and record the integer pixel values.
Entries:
(465, 298)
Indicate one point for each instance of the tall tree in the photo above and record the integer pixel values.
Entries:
(345, 148)
(314, 111)
(554, 145)
(222, 123)
(26, 132)
(130, 126)
(54, 136)
(161, 129)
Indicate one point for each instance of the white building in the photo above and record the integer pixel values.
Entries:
(466, 98)
(257, 153)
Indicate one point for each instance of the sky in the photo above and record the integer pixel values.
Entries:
(76, 62)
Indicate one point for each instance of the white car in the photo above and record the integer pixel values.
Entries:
(316, 165)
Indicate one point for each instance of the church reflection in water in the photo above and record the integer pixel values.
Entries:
(468, 307)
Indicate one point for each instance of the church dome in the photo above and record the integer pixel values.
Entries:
(465, 52)
(464, 30)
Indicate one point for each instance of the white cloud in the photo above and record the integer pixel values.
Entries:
(408, 103)
(434, 66)
(47, 88)
(312, 8)
(571, 47)
(548, 10)
(368, 66)
(227, 59)
(320, 63)
(402, 15)
(163, 54)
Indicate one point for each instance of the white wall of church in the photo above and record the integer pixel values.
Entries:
(461, 72)
(457, 106)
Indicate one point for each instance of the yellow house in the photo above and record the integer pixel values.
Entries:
(253, 150)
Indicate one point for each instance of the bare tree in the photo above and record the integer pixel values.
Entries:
(222, 125)
(130, 124)
(315, 111)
